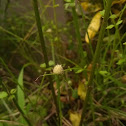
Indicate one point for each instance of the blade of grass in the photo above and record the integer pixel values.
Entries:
(20, 92)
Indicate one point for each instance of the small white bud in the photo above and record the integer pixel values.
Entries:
(58, 69)
(49, 30)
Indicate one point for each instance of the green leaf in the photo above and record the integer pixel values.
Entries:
(121, 61)
(56, 5)
(13, 91)
(124, 43)
(68, 1)
(119, 22)
(110, 26)
(102, 13)
(11, 97)
(3, 94)
(104, 73)
(51, 63)
(113, 16)
(20, 92)
(72, 4)
(43, 65)
(79, 71)
(74, 93)
(69, 5)
(49, 68)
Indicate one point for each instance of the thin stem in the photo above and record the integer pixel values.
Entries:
(96, 56)
(7, 107)
(84, 21)
(59, 102)
(76, 25)
(38, 22)
(52, 42)
(39, 26)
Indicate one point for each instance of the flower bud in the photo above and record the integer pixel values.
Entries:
(58, 69)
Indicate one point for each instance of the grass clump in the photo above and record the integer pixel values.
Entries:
(51, 75)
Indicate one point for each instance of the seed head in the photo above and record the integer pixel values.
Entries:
(58, 69)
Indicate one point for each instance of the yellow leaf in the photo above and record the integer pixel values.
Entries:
(85, 5)
(89, 7)
(75, 118)
(93, 27)
(82, 90)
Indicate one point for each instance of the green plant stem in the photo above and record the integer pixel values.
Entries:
(96, 56)
(76, 25)
(52, 42)
(39, 26)
(84, 21)
(59, 102)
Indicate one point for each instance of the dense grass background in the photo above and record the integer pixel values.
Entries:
(31, 94)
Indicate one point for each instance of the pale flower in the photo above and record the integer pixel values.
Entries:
(58, 69)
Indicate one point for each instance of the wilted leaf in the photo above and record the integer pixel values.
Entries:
(82, 90)
(123, 79)
(89, 7)
(85, 5)
(93, 27)
(89, 68)
(75, 118)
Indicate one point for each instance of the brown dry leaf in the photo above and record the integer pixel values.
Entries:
(75, 118)
(82, 90)
(89, 68)
(123, 79)
(93, 26)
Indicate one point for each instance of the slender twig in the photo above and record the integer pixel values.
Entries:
(78, 35)
(39, 26)
(95, 59)
(59, 102)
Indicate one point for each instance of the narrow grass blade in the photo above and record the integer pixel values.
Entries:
(20, 94)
